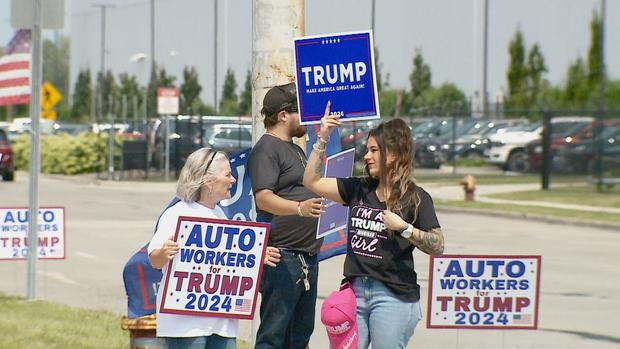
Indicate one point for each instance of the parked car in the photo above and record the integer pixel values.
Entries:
(185, 136)
(71, 128)
(562, 138)
(473, 141)
(22, 125)
(7, 167)
(230, 138)
(508, 149)
(580, 156)
(354, 135)
(428, 150)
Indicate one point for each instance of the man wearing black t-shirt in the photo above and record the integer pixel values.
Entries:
(276, 168)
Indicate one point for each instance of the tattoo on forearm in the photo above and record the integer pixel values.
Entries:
(316, 164)
(431, 242)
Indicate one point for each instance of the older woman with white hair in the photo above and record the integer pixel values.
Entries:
(204, 181)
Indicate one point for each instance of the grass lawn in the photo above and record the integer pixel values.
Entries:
(487, 179)
(579, 195)
(46, 325)
(534, 211)
(447, 179)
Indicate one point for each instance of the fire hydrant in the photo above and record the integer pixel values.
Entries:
(142, 332)
(469, 187)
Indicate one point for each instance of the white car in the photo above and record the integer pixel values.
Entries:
(508, 148)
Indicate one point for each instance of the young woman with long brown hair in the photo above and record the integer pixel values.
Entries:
(389, 216)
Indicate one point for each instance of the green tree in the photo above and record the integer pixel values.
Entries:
(446, 97)
(190, 90)
(228, 102)
(517, 74)
(535, 69)
(201, 108)
(56, 71)
(420, 77)
(82, 96)
(245, 100)
(106, 91)
(379, 67)
(550, 96)
(130, 88)
(594, 53)
(576, 88)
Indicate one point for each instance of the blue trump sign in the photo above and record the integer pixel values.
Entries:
(339, 68)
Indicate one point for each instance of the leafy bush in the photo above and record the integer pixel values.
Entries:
(66, 154)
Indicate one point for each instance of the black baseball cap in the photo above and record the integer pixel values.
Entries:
(278, 98)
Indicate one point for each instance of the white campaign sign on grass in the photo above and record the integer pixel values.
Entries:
(484, 292)
(14, 233)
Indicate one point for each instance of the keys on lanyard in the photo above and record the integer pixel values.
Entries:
(304, 273)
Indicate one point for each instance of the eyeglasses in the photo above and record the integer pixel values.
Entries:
(209, 163)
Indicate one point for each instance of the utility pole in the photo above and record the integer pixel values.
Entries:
(152, 59)
(372, 17)
(103, 8)
(273, 60)
(485, 54)
(599, 123)
(276, 24)
(215, 56)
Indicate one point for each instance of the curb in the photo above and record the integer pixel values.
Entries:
(546, 219)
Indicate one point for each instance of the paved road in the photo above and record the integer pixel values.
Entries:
(108, 221)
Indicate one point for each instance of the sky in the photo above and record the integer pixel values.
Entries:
(448, 33)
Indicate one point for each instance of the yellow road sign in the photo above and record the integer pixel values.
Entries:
(48, 114)
(49, 96)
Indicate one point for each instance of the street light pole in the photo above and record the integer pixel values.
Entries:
(485, 55)
(35, 156)
(215, 56)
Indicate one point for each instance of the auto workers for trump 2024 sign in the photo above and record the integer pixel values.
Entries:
(217, 270)
(339, 68)
(14, 233)
(484, 292)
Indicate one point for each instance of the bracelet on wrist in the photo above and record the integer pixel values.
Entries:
(322, 140)
(318, 148)
(299, 209)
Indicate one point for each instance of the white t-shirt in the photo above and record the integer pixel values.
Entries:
(172, 325)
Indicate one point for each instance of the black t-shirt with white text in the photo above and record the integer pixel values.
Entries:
(279, 166)
(373, 251)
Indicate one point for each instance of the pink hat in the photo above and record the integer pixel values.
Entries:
(338, 314)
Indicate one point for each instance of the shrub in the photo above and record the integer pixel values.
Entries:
(66, 154)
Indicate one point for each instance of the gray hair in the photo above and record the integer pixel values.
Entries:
(194, 171)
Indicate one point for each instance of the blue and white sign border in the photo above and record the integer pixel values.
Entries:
(376, 114)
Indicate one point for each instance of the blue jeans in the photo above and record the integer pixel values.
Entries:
(287, 309)
(383, 319)
(204, 342)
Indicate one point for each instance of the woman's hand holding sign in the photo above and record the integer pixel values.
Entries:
(159, 257)
(328, 123)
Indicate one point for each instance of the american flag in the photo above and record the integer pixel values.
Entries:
(15, 70)
(243, 305)
(522, 319)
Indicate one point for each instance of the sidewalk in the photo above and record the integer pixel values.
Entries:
(455, 192)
